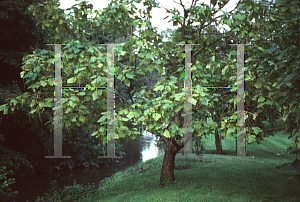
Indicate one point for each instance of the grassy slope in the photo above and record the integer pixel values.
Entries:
(215, 178)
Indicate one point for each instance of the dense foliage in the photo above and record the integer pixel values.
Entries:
(271, 71)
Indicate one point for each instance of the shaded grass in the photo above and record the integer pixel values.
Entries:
(213, 178)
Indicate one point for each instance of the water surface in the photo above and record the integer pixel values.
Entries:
(136, 151)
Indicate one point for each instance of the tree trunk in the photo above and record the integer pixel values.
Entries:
(167, 172)
(218, 142)
(172, 147)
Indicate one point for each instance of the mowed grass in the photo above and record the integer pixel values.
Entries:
(213, 178)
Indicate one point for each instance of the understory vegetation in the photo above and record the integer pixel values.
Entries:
(213, 177)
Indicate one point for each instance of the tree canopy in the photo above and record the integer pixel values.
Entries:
(271, 70)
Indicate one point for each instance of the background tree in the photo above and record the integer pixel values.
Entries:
(15, 43)
(18, 37)
(25, 143)
(281, 71)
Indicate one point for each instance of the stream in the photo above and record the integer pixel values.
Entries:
(136, 150)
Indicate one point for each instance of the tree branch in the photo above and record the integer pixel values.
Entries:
(211, 44)
(163, 55)
(122, 97)
(227, 92)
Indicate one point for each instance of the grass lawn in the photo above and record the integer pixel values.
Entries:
(213, 178)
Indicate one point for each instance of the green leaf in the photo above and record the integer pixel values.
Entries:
(159, 88)
(78, 70)
(130, 115)
(146, 112)
(269, 102)
(94, 133)
(74, 98)
(251, 138)
(72, 104)
(68, 110)
(178, 108)
(41, 104)
(43, 83)
(260, 48)
(288, 84)
(129, 75)
(22, 74)
(50, 82)
(93, 59)
(91, 50)
(193, 101)
(149, 56)
(102, 119)
(74, 119)
(261, 104)
(96, 94)
(143, 25)
(71, 80)
(81, 118)
(32, 111)
(139, 43)
(204, 101)
(14, 102)
(127, 82)
(156, 116)
(68, 124)
(141, 55)
(258, 84)
(70, 55)
(5, 111)
(166, 133)
(285, 115)
(256, 130)
(48, 104)
(261, 99)
(284, 8)
(178, 97)
(88, 98)
(141, 118)
(241, 16)
(228, 22)
(251, 34)
(80, 60)
(76, 50)
(231, 130)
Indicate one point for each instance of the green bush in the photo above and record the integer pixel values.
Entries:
(84, 148)
(5, 190)
(15, 161)
(76, 192)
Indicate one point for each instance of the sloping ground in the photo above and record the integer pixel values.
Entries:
(213, 178)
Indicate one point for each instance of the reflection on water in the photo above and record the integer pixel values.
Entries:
(137, 150)
(150, 150)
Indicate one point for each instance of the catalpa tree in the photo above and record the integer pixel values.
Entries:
(171, 100)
